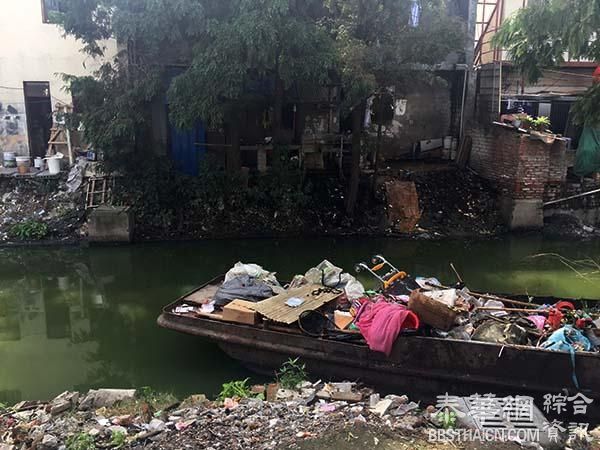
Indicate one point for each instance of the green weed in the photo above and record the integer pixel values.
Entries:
(239, 389)
(81, 441)
(29, 230)
(292, 373)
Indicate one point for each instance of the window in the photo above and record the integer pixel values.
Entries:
(50, 7)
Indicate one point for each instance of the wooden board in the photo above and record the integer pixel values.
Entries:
(203, 295)
(275, 309)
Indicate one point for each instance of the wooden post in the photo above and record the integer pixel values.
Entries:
(357, 115)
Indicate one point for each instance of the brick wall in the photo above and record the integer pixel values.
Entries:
(520, 167)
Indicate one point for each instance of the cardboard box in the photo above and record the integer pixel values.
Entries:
(237, 311)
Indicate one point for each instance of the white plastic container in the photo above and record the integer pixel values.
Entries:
(53, 165)
(38, 163)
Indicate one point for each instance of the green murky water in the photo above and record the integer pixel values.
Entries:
(73, 318)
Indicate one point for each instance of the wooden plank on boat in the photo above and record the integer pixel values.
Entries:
(275, 308)
(203, 295)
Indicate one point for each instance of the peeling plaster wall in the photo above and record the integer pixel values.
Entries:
(13, 127)
(422, 111)
(32, 50)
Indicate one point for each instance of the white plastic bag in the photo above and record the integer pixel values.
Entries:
(254, 271)
(332, 276)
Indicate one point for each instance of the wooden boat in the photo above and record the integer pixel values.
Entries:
(423, 366)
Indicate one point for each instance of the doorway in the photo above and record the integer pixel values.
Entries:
(38, 108)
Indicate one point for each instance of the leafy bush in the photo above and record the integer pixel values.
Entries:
(29, 230)
(292, 373)
(235, 389)
(81, 441)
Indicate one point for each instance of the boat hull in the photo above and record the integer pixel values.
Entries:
(425, 367)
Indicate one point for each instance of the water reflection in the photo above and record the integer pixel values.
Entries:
(74, 318)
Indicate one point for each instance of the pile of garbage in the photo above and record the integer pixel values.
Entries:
(328, 302)
(457, 203)
(269, 418)
(43, 206)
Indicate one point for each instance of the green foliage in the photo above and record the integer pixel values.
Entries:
(249, 45)
(29, 230)
(235, 389)
(376, 47)
(539, 35)
(80, 441)
(292, 373)
(118, 439)
(447, 418)
(587, 109)
(542, 123)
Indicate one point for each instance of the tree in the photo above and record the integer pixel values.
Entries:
(380, 43)
(258, 42)
(538, 37)
(227, 48)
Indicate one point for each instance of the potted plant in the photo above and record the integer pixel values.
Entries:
(522, 120)
(541, 130)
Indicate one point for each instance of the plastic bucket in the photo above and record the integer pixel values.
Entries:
(10, 160)
(53, 165)
(23, 164)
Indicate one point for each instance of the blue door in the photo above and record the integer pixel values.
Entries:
(187, 148)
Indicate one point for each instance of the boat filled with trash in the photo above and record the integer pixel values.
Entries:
(411, 330)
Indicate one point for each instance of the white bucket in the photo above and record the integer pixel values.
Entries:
(53, 165)
(10, 159)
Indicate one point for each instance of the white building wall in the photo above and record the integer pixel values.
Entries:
(32, 50)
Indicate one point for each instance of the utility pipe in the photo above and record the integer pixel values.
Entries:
(560, 200)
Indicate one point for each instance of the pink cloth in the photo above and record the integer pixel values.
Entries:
(539, 321)
(380, 324)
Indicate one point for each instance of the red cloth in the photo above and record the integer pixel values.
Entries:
(380, 324)
(597, 75)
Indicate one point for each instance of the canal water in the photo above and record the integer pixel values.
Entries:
(75, 318)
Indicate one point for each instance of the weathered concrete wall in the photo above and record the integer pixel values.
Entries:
(32, 50)
(423, 111)
(110, 224)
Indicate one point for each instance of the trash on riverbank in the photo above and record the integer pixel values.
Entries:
(43, 204)
(303, 412)
(309, 411)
